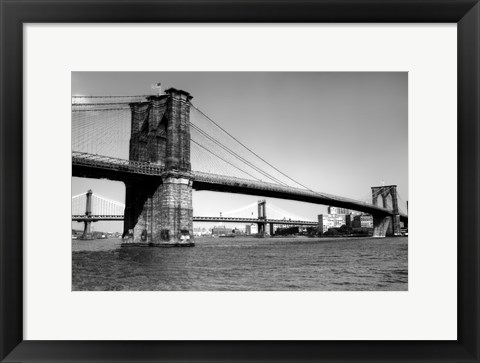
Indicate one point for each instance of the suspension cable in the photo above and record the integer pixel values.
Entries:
(250, 150)
(237, 156)
(137, 96)
(211, 152)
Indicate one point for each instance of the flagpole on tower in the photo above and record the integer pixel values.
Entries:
(157, 86)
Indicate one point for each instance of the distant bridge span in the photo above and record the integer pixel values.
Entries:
(96, 218)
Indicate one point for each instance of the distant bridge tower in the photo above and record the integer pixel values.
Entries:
(160, 211)
(87, 229)
(262, 216)
(383, 225)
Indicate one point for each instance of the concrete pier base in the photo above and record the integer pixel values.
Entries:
(397, 231)
(386, 225)
(161, 215)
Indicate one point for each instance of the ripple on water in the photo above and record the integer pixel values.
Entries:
(241, 264)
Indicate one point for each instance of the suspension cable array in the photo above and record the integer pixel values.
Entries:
(99, 206)
(244, 154)
(280, 213)
(101, 125)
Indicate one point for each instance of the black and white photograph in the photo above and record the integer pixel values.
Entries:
(239, 181)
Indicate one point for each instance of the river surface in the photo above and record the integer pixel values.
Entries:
(243, 263)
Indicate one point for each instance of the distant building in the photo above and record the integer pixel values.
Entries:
(349, 219)
(281, 226)
(363, 221)
(251, 229)
(336, 210)
(237, 231)
(77, 232)
(200, 231)
(221, 231)
(327, 221)
(288, 231)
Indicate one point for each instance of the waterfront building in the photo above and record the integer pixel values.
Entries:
(337, 210)
(363, 221)
(349, 218)
(251, 229)
(200, 231)
(237, 232)
(221, 231)
(327, 221)
(288, 231)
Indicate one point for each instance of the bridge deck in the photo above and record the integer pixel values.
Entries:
(96, 166)
(96, 218)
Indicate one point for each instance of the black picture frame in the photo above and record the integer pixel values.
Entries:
(14, 13)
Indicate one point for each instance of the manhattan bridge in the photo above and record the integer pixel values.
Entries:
(163, 147)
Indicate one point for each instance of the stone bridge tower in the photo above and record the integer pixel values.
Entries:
(159, 210)
(87, 229)
(382, 224)
(262, 217)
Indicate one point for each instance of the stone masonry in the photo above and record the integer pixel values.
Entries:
(386, 225)
(381, 225)
(87, 229)
(161, 212)
(262, 217)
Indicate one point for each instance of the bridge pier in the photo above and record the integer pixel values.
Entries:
(261, 229)
(380, 225)
(389, 231)
(87, 230)
(87, 225)
(386, 225)
(161, 213)
(396, 227)
(271, 229)
(262, 217)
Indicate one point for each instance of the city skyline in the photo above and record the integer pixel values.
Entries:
(338, 133)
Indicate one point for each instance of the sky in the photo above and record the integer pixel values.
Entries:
(335, 132)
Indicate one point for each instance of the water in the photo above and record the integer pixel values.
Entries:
(300, 263)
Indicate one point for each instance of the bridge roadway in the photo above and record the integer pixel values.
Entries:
(102, 167)
(96, 218)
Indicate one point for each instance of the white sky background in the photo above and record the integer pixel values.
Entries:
(338, 133)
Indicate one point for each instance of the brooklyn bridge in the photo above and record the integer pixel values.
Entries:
(162, 147)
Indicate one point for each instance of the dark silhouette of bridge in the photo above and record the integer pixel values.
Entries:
(159, 178)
